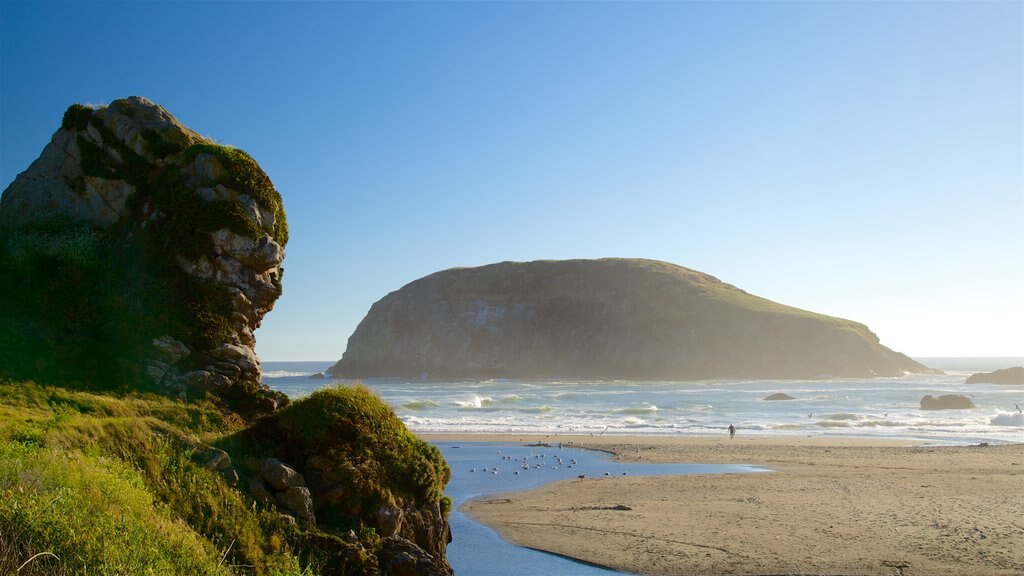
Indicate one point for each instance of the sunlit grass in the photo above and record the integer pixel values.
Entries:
(107, 484)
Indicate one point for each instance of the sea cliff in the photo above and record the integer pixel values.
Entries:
(603, 319)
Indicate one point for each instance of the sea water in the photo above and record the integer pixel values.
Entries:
(874, 407)
(865, 407)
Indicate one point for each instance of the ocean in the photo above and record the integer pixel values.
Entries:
(875, 407)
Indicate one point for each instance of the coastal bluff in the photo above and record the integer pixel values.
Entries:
(602, 319)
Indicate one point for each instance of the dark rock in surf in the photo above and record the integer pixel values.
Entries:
(1014, 375)
(946, 402)
(779, 396)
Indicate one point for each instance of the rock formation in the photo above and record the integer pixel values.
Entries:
(602, 319)
(352, 465)
(138, 251)
(1014, 375)
(946, 402)
(778, 396)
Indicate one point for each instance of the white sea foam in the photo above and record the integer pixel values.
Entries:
(420, 404)
(475, 401)
(1008, 420)
(885, 407)
(287, 374)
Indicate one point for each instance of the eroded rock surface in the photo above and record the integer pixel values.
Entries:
(140, 251)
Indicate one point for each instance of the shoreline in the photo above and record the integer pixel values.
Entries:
(848, 505)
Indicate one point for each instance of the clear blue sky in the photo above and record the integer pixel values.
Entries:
(860, 159)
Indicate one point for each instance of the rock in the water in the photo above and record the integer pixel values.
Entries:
(138, 252)
(280, 476)
(1014, 375)
(609, 318)
(946, 402)
(779, 396)
(297, 500)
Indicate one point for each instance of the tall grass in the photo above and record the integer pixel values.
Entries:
(101, 484)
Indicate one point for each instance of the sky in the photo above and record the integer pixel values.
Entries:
(858, 159)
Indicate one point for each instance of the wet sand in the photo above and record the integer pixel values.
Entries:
(832, 506)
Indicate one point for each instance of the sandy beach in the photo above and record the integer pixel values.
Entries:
(831, 506)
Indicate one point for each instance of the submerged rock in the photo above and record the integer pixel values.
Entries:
(946, 402)
(602, 319)
(1014, 375)
(139, 253)
(779, 396)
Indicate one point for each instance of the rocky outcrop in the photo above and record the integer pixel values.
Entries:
(946, 402)
(778, 396)
(163, 248)
(361, 468)
(1014, 375)
(602, 319)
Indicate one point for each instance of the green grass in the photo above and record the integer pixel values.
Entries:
(108, 485)
(92, 515)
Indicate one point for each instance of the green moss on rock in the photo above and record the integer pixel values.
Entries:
(245, 175)
(347, 435)
(76, 117)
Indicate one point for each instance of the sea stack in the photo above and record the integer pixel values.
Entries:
(602, 319)
(138, 253)
(1011, 376)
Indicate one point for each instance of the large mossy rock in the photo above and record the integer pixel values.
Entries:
(137, 253)
(365, 472)
(603, 319)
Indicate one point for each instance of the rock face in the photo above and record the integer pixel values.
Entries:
(602, 319)
(946, 402)
(1014, 375)
(140, 251)
(352, 464)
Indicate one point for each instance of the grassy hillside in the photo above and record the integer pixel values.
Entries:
(98, 483)
(113, 484)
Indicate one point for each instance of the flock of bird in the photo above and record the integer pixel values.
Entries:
(535, 461)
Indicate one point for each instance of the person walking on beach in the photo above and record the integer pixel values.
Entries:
(732, 431)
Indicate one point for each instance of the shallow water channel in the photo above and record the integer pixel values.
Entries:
(478, 550)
